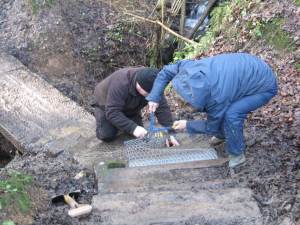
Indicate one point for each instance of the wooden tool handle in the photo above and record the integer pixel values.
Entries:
(80, 211)
(70, 201)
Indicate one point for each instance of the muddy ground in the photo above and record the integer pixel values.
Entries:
(272, 171)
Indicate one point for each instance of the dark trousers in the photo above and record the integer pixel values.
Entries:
(233, 123)
(107, 132)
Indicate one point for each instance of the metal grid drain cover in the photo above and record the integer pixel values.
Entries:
(143, 152)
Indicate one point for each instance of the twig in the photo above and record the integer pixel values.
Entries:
(202, 18)
(162, 18)
(182, 18)
(163, 26)
(176, 6)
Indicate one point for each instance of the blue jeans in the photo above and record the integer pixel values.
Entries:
(233, 123)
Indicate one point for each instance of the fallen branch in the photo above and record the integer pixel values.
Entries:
(164, 27)
(202, 18)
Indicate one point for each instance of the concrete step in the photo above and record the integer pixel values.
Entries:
(186, 193)
(213, 207)
(184, 176)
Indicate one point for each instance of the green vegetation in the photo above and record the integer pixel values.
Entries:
(229, 20)
(36, 5)
(13, 191)
(274, 35)
(92, 54)
(115, 164)
(297, 2)
(153, 56)
(116, 32)
(8, 222)
(220, 17)
(169, 88)
(187, 52)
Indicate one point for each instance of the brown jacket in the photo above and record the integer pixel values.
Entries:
(118, 96)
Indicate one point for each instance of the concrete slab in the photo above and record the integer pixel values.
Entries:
(213, 207)
(184, 176)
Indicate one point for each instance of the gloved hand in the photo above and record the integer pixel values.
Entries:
(152, 106)
(170, 142)
(139, 132)
(179, 125)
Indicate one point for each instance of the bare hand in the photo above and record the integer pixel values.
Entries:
(179, 125)
(152, 106)
(172, 142)
(139, 132)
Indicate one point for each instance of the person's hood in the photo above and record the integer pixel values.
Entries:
(194, 89)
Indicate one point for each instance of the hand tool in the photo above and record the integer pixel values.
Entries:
(60, 198)
(161, 132)
(77, 209)
(153, 130)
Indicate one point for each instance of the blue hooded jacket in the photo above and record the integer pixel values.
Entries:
(212, 84)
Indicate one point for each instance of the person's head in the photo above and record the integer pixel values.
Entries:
(145, 79)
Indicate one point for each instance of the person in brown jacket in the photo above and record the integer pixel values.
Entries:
(119, 100)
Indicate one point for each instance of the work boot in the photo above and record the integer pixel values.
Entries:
(214, 141)
(236, 160)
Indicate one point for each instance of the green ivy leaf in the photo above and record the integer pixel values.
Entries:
(8, 222)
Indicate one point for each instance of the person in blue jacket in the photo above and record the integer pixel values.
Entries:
(227, 87)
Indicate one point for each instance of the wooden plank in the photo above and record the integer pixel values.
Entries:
(35, 116)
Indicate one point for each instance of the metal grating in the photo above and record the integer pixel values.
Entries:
(152, 151)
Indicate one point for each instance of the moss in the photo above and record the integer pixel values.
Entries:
(34, 6)
(297, 66)
(115, 164)
(37, 5)
(274, 35)
(8, 222)
(297, 2)
(153, 56)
